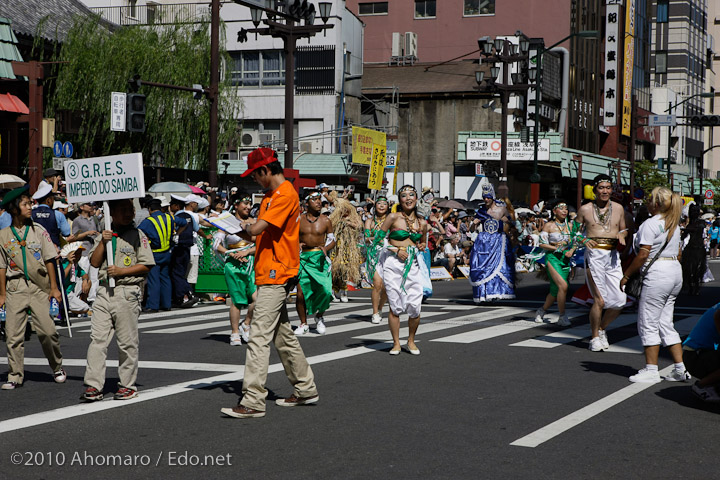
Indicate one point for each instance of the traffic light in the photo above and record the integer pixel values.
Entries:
(135, 112)
(705, 120)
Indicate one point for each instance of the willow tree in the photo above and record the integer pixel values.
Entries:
(95, 62)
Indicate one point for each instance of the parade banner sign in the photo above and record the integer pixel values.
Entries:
(363, 140)
(629, 59)
(105, 178)
(377, 167)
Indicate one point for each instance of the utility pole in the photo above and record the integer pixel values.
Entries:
(213, 91)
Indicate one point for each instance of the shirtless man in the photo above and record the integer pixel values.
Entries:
(604, 224)
(314, 292)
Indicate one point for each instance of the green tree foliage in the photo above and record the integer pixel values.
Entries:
(99, 62)
(648, 176)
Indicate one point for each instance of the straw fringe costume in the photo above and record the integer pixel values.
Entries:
(346, 256)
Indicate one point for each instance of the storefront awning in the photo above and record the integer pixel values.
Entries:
(11, 103)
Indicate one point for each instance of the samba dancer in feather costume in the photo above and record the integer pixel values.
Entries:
(492, 261)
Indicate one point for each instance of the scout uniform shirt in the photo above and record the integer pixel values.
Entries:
(126, 256)
(39, 249)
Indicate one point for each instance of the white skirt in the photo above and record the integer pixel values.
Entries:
(606, 271)
(402, 300)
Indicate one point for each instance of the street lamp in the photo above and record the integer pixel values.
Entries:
(669, 109)
(506, 53)
(535, 75)
(287, 29)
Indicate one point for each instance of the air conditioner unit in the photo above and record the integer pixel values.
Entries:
(411, 44)
(398, 44)
(250, 138)
(306, 147)
(266, 138)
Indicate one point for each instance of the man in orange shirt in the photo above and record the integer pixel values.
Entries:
(277, 263)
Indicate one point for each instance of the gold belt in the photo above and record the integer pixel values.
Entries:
(604, 243)
(311, 249)
(239, 245)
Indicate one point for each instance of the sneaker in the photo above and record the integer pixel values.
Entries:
(11, 385)
(646, 376)
(539, 315)
(320, 325)
(60, 376)
(678, 376)
(245, 332)
(235, 339)
(293, 401)
(376, 318)
(3, 335)
(242, 412)
(335, 298)
(302, 329)
(706, 394)
(596, 345)
(91, 394)
(564, 321)
(125, 394)
(343, 296)
(603, 338)
(192, 300)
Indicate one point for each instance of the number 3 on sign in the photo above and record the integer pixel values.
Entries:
(377, 167)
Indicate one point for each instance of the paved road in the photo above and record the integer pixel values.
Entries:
(493, 395)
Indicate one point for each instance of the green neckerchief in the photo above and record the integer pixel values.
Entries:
(22, 248)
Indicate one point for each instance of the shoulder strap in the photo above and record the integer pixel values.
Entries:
(657, 255)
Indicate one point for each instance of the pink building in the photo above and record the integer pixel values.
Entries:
(450, 28)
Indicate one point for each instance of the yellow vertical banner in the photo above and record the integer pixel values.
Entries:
(363, 140)
(397, 157)
(629, 62)
(377, 167)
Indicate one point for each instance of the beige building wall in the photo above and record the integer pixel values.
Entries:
(712, 135)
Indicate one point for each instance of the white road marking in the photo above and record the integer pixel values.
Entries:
(65, 413)
(570, 335)
(634, 344)
(564, 424)
(462, 321)
(185, 366)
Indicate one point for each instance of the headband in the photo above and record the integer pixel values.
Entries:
(560, 205)
(313, 195)
(381, 199)
(407, 188)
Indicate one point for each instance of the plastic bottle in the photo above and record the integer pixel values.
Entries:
(2, 313)
(54, 308)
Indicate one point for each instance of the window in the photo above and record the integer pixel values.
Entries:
(374, 8)
(424, 8)
(315, 70)
(258, 69)
(133, 8)
(479, 7)
(662, 11)
(661, 62)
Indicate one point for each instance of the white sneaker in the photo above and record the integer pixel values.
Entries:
(302, 329)
(335, 298)
(320, 325)
(245, 332)
(343, 296)
(595, 345)
(678, 376)
(376, 318)
(646, 376)
(539, 315)
(563, 321)
(235, 339)
(603, 338)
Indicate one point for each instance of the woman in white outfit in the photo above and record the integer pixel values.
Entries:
(401, 266)
(661, 284)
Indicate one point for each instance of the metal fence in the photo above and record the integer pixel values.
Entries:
(154, 14)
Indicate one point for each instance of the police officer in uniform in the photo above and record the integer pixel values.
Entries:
(159, 228)
(180, 258)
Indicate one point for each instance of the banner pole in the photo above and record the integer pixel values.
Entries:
(108, 246)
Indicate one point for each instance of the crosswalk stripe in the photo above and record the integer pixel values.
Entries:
(634, 344)
(450, 323)
(570, 335)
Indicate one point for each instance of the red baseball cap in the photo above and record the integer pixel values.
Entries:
(259, 158)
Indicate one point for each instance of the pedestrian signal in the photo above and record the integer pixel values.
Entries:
(136, 112)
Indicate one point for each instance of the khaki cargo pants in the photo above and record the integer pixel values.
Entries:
(271, 323)
(118, 312)
(19, 297)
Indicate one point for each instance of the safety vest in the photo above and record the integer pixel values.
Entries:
(164, 231)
